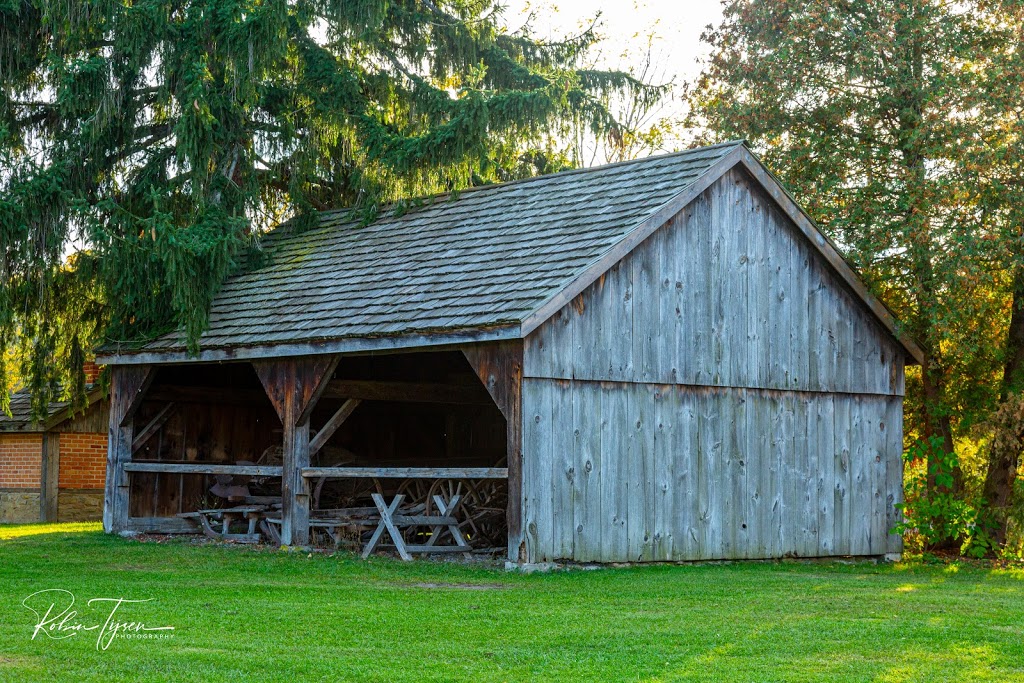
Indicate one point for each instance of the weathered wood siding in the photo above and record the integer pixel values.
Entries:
(717, 394)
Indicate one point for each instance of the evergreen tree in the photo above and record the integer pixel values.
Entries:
(877, 115)
(160, 137)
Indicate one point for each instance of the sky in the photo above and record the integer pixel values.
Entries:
(672, 28)
(676, 25)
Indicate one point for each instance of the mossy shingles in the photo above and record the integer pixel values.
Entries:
(486, 258)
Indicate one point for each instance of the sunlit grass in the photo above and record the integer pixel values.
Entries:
(9, 531)
(245, 614)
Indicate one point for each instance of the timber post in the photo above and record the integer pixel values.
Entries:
(293, 386)
(499, 366)
(128, 384)
(48, 483)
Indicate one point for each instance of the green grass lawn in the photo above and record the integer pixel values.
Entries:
(243, 614)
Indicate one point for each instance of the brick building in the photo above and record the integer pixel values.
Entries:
(54, 470)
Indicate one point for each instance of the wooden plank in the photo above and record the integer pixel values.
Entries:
(353, 345)
(875, 439)
(331, 426)
(615, 473)
(649, 335)
(500, 369)
(547, 352)
(438, 548)
(49, 480)
(160, 525)
(153, 427)
(759, 455)
(893, 456)
(406, 472)
(562, 472)
(543, 508)
(423, 520)
(777, 462)
(673, 336)
(293, 387)
(733, 513)
(411, 392)
(207, 395)
(841, 469)
(807, 474)
(712, 447)
(641, 435)
(171, 467)
(666, 474)
(587, 458)
(128, 385)
(537, 426)
(738, 309)
(860, 479)
(718, 283)
(682, 456)
(824, 442)
(700, 293)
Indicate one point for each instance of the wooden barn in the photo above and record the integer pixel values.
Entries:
(656, 360)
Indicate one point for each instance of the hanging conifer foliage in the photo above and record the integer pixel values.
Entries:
(156, 139)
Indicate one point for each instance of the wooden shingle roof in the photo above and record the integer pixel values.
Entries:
(490, 263)
(20, 419)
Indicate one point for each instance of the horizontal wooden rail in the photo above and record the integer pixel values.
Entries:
(161, 525)
(407, 472)
(414, 392)
(198, 468)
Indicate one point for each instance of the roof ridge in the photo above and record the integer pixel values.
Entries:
(455, 194)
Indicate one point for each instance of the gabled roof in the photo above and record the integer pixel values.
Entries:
(20, 419)
(491, 263)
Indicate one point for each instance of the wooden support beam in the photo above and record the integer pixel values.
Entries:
(128, 385)
(499, 365)
(412, 392)
(219, 395)
(153, 427)
(207, 468)
(338, 419)
(294, 385)
(406, 472)
(49, 484)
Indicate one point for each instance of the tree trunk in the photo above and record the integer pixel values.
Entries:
(1002, 463)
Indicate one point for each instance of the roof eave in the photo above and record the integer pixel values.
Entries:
(347, 345)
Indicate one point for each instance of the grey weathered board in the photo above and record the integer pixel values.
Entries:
(719, 393)
(725, 473)
(751, 311)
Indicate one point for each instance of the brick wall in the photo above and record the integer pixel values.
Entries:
(21, 456)
(92, 371)
(83, 461)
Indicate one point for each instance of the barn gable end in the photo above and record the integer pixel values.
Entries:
(718, 393)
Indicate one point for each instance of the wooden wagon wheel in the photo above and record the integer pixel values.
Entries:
(447, 489)
(489, 513)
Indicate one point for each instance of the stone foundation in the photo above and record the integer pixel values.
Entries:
(19, 506)
(22, 506)
(80, 506)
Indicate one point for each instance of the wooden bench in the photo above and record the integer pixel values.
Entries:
(328, 520)
(251, 513)
(391, 520)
